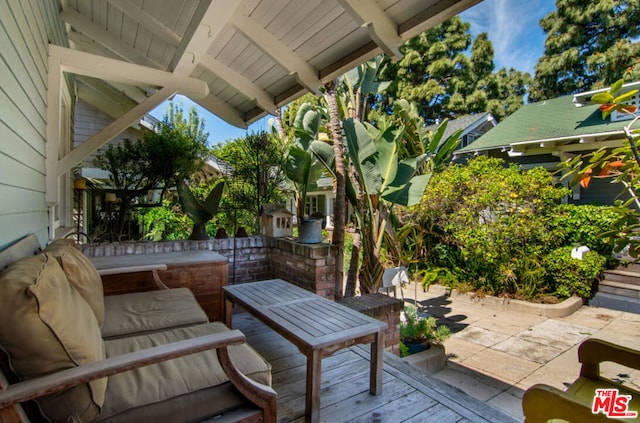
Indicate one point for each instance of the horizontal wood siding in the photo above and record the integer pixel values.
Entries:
(602, 192)
(26, 29)
(88, 121)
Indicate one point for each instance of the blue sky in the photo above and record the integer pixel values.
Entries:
(513, 28)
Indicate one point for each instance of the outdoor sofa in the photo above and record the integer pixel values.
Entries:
(150, 356)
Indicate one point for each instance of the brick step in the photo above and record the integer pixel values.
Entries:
(619, 288)
(623, 275)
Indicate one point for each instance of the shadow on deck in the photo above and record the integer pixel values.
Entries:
(408, 393)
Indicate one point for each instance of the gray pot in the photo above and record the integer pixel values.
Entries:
(310, 230)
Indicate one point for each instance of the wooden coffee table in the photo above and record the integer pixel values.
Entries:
(317, 326)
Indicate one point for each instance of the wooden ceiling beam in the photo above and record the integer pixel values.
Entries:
(382, 30)
(81, 63)
(202, 33)
(149, 22)
(137, 93)
(223, 110)
(240, 83)
(106, 134)
(91, 30)
(305, 74)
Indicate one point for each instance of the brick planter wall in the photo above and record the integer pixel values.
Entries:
(384, 308)
(310, 266)
(254, 258)
(249, 258)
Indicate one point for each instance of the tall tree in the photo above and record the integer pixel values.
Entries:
(257, 160)
(589, 45)
(446, 73)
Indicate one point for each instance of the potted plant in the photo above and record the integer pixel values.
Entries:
(420, 333)
(304, 169)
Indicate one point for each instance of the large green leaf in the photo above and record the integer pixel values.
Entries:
(411, 193)
(298, 165)
(387, 146)
(363, 155)
(325, 154)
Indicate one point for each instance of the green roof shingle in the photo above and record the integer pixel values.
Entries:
(546, 120)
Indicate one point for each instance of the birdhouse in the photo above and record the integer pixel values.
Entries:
(276, 220)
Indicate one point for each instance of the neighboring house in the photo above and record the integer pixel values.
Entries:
(473, 126)
(551, 131)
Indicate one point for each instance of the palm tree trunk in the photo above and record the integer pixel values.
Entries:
(340, 206)
(352, 274)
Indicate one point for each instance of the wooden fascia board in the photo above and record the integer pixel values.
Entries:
(109, 132)
(439, 12)
(382, 30)
(240, 83)
(147, 21)
(81, 63)
(305, 74)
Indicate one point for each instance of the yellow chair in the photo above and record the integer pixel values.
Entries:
(542, 403)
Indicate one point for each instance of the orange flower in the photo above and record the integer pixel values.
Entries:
(586, 178)
(606, 170)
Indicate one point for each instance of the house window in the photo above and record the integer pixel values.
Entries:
(311, 205)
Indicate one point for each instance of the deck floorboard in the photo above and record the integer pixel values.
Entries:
(408, 394)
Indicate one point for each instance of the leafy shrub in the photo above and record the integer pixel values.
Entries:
(567, 276)
(492, 226)
(582, 225)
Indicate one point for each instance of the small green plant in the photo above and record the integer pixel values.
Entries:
(416, 329)
(569, 276)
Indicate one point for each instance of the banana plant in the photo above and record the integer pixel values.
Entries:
(382, 180)
(303, 168)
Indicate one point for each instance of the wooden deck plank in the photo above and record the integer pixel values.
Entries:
(345, 386)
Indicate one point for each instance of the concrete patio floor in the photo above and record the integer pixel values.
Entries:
(494, 355)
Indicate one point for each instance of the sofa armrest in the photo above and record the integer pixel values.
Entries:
(542, 402)
(594, 351)
(69, 378)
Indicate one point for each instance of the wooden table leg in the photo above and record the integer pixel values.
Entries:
(375, 373)
(228, 312)
(314, 377)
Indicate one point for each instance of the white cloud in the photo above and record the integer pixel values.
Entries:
(514, 30)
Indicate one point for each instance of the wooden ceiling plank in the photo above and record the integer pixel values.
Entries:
(240, 83)
(147, 21)
(381, 27)
(107, 40)
(278, 51)
(87, 64)
(213, 21)
(109, 92)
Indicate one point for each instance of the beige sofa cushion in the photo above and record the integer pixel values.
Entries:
(180, 387)
(150, 311)
(46, 327)
(81, 273)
